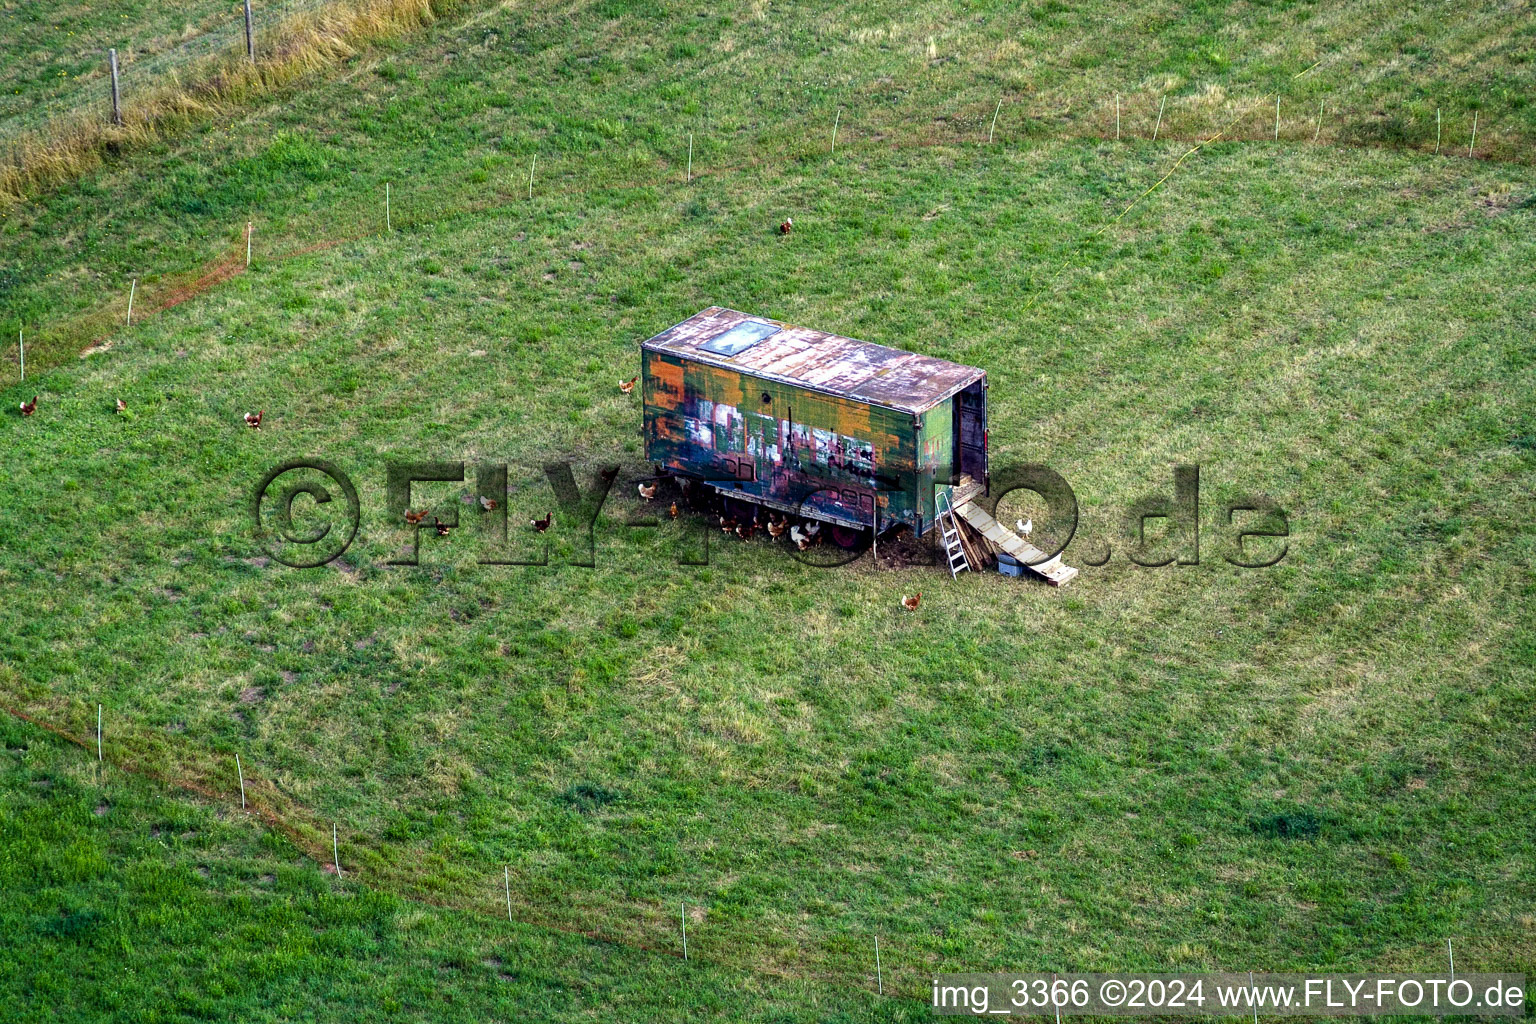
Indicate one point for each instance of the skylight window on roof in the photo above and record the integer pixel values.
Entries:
(739, 338)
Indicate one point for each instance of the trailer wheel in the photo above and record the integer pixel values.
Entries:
(845, 538)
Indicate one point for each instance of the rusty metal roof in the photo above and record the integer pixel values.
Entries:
(830, 363)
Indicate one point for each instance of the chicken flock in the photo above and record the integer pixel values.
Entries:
(803, 534)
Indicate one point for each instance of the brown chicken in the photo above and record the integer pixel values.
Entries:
(776, 530)
(415, 518)
(253, 420)
(673, 510)
(787, 226)
(122, 406)
(28, 408)
(627, 386)
(542, 524)
(441, 527)
(489, 504)
(647, 491)
(911, 603)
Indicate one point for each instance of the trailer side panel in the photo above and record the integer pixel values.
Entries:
(830, 456)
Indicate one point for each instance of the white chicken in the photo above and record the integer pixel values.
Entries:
(1024, 526)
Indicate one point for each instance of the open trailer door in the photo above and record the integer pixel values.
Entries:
(971, 433)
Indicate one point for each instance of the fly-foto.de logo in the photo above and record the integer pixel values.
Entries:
(307, 512)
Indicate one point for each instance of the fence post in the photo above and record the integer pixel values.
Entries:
(250, 33)
(117, 109)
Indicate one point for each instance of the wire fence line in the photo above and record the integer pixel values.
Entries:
(650, 929)
(1147, 114)
(224, 83)
(562, 174)
(158, 61)
(178, 38)
(842, 955)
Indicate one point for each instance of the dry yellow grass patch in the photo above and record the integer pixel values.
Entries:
(72, 145)
(877, 33)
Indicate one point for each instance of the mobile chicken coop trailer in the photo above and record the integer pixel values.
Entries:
(822, 426)
(812, 423)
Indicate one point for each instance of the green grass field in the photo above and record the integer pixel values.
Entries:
(1321, 765)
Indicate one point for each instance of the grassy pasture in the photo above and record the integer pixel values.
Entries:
(129, 904)
(606, 94)
(1322, 764)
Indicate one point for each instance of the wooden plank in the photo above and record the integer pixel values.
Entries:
(967, 543)
(1052, 570)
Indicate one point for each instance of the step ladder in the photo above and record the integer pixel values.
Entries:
(954, 551)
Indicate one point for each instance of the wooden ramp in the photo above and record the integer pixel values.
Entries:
(1052, 571)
